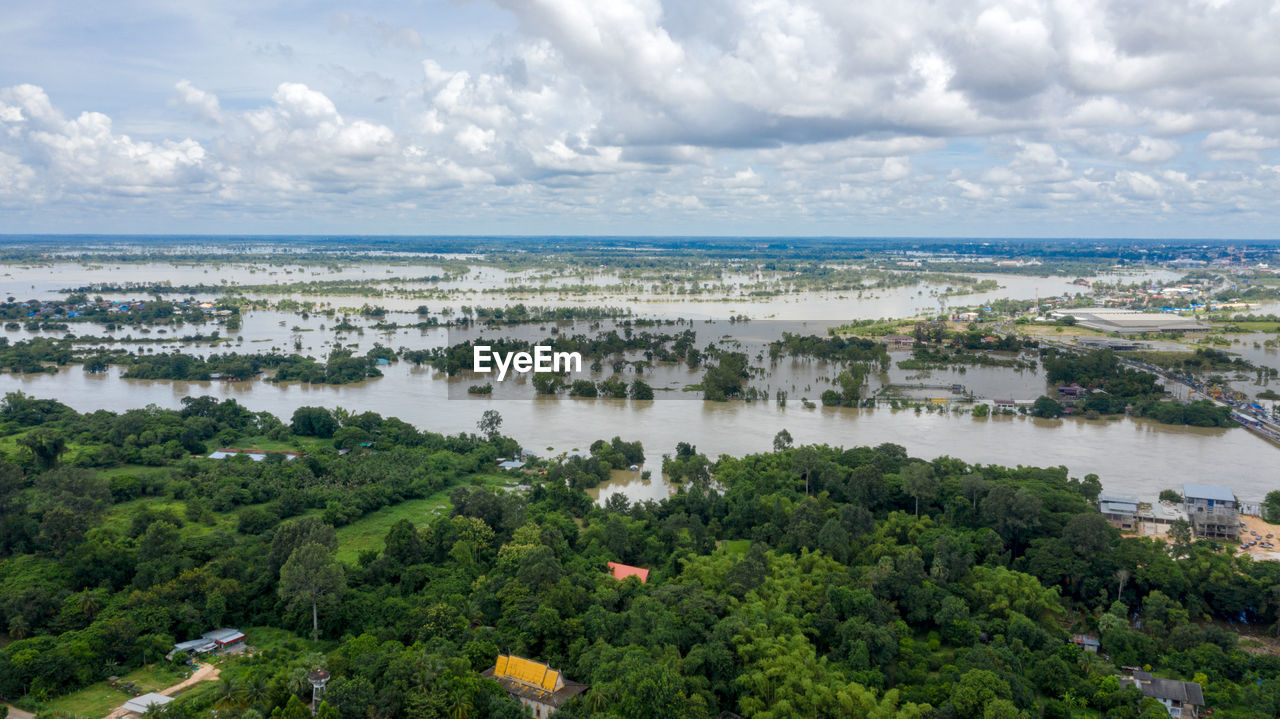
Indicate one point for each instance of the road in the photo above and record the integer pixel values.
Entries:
(1265, 426)
(203, 673)
(16, 713)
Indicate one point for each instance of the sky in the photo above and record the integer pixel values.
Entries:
(1069, 118)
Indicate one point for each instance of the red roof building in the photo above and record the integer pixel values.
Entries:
(622, 571)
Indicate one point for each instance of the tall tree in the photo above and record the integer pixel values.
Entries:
(919, 482)
(46, 446)
(311, 575)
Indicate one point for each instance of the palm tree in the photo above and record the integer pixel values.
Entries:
(297, 682)
(461, 706)
(227, 694)
(254, 691)
(89, 603)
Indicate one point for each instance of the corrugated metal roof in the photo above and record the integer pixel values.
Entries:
(1116, 498)
(146, 701)
(1208, 491)
(1152, 686)
(224, 636)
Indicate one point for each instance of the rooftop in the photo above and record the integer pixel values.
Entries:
(622, 571)
(1117, 506)
(533, 680)
(1108, 319)
(1185, 692)
(146, 701)
(224, 636)
(1208, 491)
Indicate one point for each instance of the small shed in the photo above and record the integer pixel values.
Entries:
(140, 705)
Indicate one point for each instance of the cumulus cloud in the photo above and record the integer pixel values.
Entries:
(806, 111)
(84, 155)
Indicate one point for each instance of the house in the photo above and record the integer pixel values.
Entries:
(622, 571)
(1155, 519)
(534, 684)
(1120, 512)
(511, 464)
(1087, 642)
(195, 646)
(218, 640)
(140, 705)
(228, 640)
(1213, 511)
(898, 342)
(1181, 699)
(1073, 390)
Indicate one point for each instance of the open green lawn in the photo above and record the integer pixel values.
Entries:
(267, 638)
(369, 531)
(120, 515)
(138, 470)
(97, 700)
(735, 547)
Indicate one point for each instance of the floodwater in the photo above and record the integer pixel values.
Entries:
(1134, 457)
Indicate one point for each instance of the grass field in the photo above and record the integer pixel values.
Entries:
(97, 700)
(735, 547)
(120, 515)
(368, 532)
(1036, 329)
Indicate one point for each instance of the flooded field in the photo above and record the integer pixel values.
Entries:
(1132, 456)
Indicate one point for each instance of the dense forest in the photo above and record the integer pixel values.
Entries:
(808, 581)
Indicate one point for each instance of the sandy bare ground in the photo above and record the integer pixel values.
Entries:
(1255, 524)
(204, 673)
(16, 713)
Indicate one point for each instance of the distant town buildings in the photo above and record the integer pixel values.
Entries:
(1107, 319)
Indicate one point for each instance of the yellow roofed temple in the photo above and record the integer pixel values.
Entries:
(534, 684)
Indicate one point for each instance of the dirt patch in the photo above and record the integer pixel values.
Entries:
(16, 713)
(203, 673)
(1258, 552)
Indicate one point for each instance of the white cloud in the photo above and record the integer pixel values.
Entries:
(791, 111)
(1233, 144)
(202, 104)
